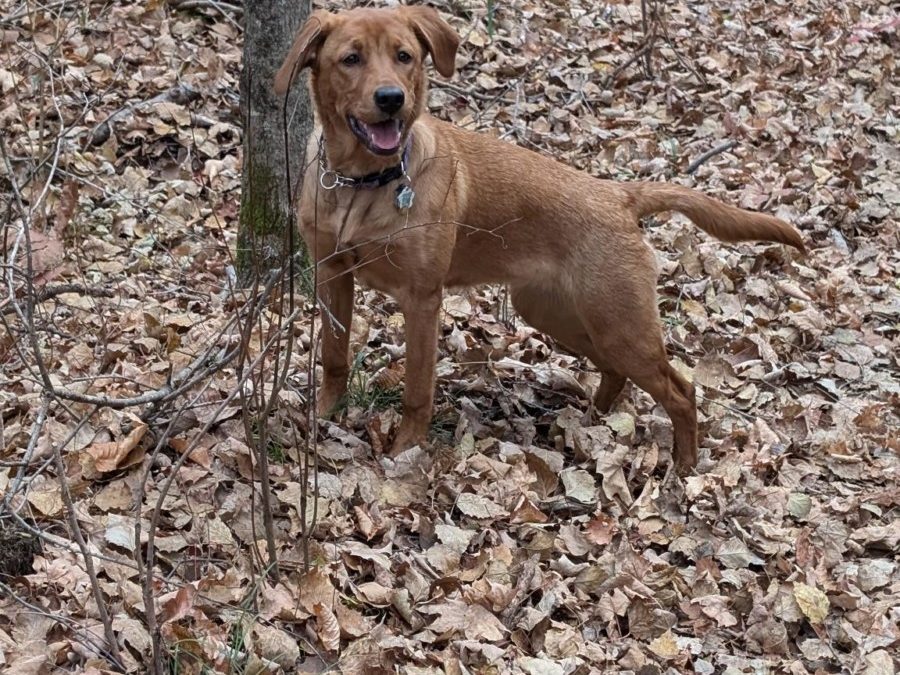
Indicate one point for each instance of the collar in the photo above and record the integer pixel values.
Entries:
(330, 179)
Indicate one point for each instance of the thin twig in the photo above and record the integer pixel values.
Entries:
(468, 91)
(180, 93)
(675, 50)
(75, 530)
(49, 292)
(146, 571)
(223, 6)
(709, 154)
(312, 430)
(179, 383)
(28, 11)
(618, 70)
(29, 451)
(148, 563)
(68, 439)
(94, 642)
(63, 543)
(27, 317)
(648, 25)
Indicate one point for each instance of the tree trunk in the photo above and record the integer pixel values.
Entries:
(266, 213)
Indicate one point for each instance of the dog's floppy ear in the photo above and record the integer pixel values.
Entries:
(437, 35)
(303, 50)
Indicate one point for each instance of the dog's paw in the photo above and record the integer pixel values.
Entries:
(328, 402)
(405, 439)
(685, 463)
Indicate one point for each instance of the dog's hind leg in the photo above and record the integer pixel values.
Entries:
(677, 396)
(634, 347)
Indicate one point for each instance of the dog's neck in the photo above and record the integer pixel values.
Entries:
(329, 178)
(346, 155)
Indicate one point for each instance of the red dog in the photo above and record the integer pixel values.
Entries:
(410, 205)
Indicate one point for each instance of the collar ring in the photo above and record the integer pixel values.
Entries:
(329, 179)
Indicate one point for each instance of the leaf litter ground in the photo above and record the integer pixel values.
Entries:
(536, 536)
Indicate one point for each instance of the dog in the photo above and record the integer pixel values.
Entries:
(410, 204)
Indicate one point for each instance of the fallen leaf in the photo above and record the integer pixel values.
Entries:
(879, 662)
(735, 554)
(540, 666)
(621, 422)
(799, 505)
(479, 506)
(474, 621)
(665, 646)
(813, 602)
(601, 529)
(329, 630)
(579, 485)
(277, 645)
(107, 456)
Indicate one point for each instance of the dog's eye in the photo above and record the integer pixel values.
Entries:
(350, 59)
(404, 57)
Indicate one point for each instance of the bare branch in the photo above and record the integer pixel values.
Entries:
(28, 11)
(709, 154)
(94, 642)
(75, 529)
(181, 94)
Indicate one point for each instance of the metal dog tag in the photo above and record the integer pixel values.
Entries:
(404, 197)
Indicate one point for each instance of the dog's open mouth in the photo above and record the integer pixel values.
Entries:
(382, 138)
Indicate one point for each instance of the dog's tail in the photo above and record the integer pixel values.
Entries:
(724, 222)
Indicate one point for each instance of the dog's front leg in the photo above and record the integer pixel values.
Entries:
(420, 312)
(336, 301)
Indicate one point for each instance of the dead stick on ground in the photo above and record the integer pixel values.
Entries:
(181, 94)
(148, 563)
(75, 529)
(49, 292)
(649, 36)
(28, 11)
(82, 634)
(226, 9)
(224, 6)
(709, 154)
(618, 70)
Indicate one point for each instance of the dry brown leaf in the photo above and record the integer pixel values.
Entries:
(665, 646)
(479, 506)
(813, 602)
(274, 644)
(177, 605)
(108, 456)
(473, 621)
(601, 529)
(353, 623)
(316, 589)
(374, 593)
(526, 512)
(328, 627)
(47, 499)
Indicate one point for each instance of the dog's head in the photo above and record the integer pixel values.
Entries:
(368, 72)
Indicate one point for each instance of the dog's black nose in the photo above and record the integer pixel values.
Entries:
(389, 99)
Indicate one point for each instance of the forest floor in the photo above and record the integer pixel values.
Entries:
(535, 536)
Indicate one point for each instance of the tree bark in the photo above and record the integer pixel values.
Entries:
(266, 213)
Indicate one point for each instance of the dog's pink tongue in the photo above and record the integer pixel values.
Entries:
(385, 135)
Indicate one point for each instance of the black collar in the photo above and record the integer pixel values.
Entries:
(330, 179)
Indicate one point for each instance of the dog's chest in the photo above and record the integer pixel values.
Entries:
(360, 230)
(357, 217)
